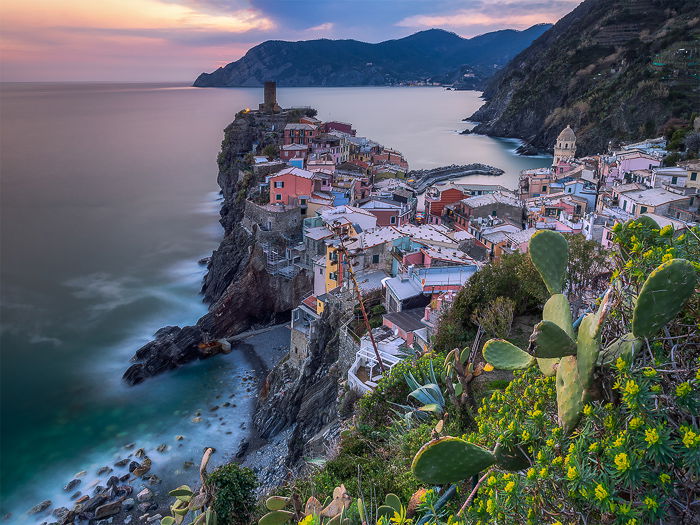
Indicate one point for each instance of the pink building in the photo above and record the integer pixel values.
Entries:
(293, 186)
(343, 127)
(293, 151)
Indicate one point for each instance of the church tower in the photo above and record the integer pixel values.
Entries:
(565, 147)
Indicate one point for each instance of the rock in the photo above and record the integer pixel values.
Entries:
(124, 477)
(154, 518)
(128, 519)
(143, 468)
(41, 507)
(108, 509)
(80, 474)
(71, 484)
(60, 513)
(128, 504)
(466, 132)
(134, 465)
(129, 446)
(76, 495)
(7, 516)
(104, 470)
(196, 419)
(99, 489)
(82, 499)
(179, 438)
(94, 502)
(144, 495)
(140, 453)
(146, 506)
(214, 408)
(153, 479)
(122, 463)
(113, 481)
(162, 448)
(526, 149)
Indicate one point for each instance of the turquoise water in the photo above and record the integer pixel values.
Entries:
(109, 198)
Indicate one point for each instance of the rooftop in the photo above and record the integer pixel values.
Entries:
(307, 127)
(407, 320)
(491, 198)
(292, 170)
(653, 196)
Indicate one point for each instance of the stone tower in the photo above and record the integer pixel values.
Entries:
(269, 104)
(565, 147)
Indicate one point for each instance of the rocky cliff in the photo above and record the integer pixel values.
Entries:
(612, 69)
(240, 291)
(434, 54)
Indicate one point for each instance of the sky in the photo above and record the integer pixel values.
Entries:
(175, 40)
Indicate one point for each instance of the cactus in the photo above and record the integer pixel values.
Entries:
(624, 347)
(572, 356)
(549, 252)
(450, 459)
(276, 502)
(276, 517)
(393, 501)
(506, 356)
(550, 341)
(662, 296)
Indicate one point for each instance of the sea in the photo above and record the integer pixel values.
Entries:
(108, 200)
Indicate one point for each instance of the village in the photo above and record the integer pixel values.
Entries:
(344, 209)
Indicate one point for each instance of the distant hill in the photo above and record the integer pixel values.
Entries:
(433, 54)
(612, 69)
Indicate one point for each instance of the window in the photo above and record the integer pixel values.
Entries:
(278, 196)
(333, 276)
(303, 201)
(694, 175)
(393, 219)
(375, 257)
(674, 180)
(279, 184)
(494, 213)
(642, 209)
(320, 271)
(544, 188)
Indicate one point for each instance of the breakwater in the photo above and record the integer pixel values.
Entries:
(425, 178)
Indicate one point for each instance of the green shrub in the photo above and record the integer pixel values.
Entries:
(234, 499)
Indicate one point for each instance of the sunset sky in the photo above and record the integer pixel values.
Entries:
(45, 40)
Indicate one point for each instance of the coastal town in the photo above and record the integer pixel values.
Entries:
(345, 209)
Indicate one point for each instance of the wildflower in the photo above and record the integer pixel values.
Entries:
(619, 441)
(683, 389)
(649, 372)
(631, 387)
(583, 492)
(307, 520)
(557, 461)
(666, 231)
(544, 472)
(652, 436)
(588, 410)
(690, 438)
(622, 462)
(667, 257)
(620, 364)
(648, 254)
(600, 492)
(655, 388)
(664, 478)
(572, 473)
(511, 426)
(636, 422)
(593, 447)
(536, 414)
(531, 473)
(550, 442)
(651, 503)
(509, 486)
(489, 506)
(631, 521)
(540, 456)
(525, 435)
(491, 481)
(557, 522)
(488, 367)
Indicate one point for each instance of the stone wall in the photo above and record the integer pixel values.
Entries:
(287, 221)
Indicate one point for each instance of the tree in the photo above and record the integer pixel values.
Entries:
(587, 264)
(271, 151)
(496, 317)
(692, 142)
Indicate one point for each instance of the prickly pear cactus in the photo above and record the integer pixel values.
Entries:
(549, 252)
(550, 341)
(506, 356)
(569, 393)
(625, 347)
(663, 295)
(588, 342)
(450, 459)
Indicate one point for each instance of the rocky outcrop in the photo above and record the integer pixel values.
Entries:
(240, 291)
(612, 69)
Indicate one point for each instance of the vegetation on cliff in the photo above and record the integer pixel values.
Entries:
(613, 70)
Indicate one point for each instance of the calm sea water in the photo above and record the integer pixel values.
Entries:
(109, 198)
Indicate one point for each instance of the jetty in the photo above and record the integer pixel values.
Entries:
(422, 179)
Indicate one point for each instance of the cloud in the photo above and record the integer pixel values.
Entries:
(484, 16)
(326, 26)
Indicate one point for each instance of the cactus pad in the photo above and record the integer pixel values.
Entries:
(276, 502)
(506, 356)
(450, 459)
(510, 458)
(569, 393)
(393, 501)
(663, 295)
(551, 341)
(549, 252)
(385, 511)
(557, 310)
(588, 343)
(276, 517)
(624, 347)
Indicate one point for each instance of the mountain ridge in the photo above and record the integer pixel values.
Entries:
(612, 69)
(434, 53)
